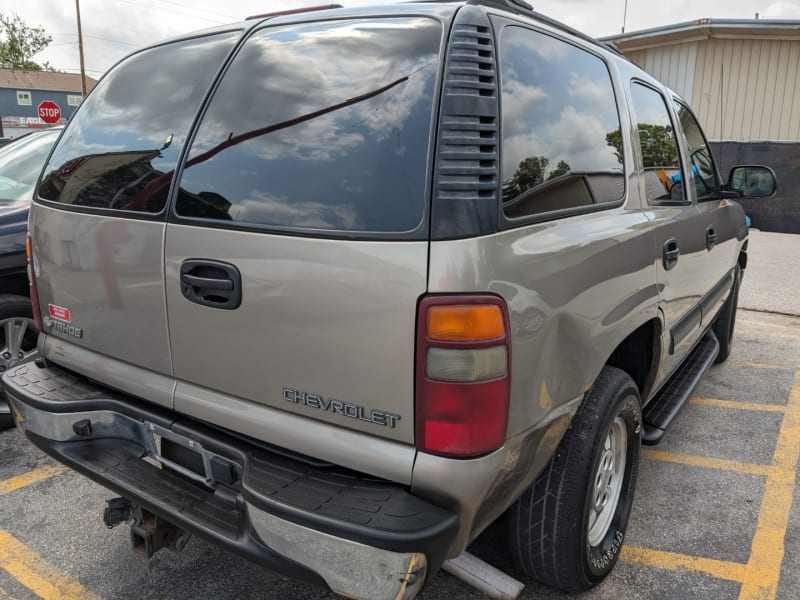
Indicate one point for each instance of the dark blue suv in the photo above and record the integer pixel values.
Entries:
(21, 162)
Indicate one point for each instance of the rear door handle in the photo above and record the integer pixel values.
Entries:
(711, 237)
(207, 283)
(671, 253)
(211, 283)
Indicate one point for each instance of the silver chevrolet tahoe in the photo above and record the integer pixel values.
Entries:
(336, 290)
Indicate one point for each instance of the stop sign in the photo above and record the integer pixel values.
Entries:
(49, 111)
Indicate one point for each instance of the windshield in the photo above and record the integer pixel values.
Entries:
(21, 163)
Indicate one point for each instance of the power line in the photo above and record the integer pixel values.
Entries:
(94, 37)
(206, 10)
(164, 9)
(78, 70)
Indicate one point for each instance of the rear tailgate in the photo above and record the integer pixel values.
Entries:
(306, 187)
(99, 222)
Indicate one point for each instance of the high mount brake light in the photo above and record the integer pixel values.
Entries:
(463, 373)
(294, 11)
(37, 315)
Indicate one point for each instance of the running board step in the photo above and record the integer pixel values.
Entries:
(660, 411)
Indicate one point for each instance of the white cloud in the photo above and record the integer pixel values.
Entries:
(577, 138)
(265, 208)
(784, 9)
(130, 25)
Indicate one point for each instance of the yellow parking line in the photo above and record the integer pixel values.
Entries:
(708, 463)
(9, 485)
(40, 577)
(738, 405)
(683, 562)
(766, 553)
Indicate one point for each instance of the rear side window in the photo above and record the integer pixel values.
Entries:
(319, 127)
(663, 175)
(562, 147)
(120, 149)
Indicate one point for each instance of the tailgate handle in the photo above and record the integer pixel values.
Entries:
(211, 283)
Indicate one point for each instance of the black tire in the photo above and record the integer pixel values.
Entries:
(13, 307)
(726, 319)
(549, 525)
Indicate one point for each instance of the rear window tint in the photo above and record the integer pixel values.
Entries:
(120, 149)
(562, 146)
(319, 127)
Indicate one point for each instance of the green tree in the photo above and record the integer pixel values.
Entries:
(19, 43)
(658, 146)
(530, 173)
(614, 139)
(562, 168)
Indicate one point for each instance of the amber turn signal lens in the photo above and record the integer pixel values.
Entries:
(465, 323)
(28, 252)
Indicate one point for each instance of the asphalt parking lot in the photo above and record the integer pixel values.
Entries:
(717, 510)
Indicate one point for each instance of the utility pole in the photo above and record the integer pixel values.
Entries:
(80, 47)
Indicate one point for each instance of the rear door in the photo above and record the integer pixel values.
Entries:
(98, 225)
(298, 246)
(677, 224)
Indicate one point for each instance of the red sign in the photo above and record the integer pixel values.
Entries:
(59, 313)
(49, 112)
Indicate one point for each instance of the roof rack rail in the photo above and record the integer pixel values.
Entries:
(293, 11)
(523, 8)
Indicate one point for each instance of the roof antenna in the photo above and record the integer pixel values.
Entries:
(624, 16)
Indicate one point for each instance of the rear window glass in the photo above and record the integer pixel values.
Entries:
(562, 142)
(120, 149)
(320, 126)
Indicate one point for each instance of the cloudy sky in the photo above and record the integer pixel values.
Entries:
(114, 28)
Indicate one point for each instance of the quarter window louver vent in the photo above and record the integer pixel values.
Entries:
(465, 192)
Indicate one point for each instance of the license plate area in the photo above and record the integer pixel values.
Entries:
(167, 449)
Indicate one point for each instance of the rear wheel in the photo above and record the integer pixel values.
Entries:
(17, 341)
(726, 319)
(567, 529)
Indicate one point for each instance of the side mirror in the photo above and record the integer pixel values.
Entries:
(753, 181)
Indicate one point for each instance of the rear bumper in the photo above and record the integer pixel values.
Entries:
(313, 521)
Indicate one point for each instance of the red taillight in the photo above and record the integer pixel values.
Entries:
(37, 316)
(463, 375)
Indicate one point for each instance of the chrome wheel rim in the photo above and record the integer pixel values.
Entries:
(607, 482)
(17, 342)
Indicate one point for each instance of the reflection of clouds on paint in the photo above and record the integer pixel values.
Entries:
(292, 71)
(260, 207)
